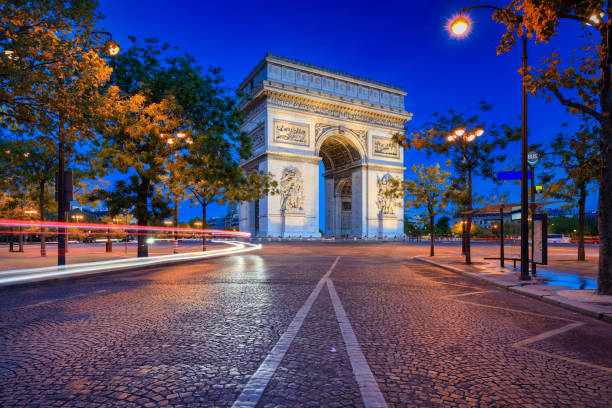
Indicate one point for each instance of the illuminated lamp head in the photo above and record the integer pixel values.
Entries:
(459, 26)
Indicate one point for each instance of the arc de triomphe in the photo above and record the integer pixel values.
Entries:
(298, 115)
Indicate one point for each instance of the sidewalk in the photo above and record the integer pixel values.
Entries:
(570, 285)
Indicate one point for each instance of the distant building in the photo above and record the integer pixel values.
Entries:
(232, 220)
(229, 221)
(411, 217)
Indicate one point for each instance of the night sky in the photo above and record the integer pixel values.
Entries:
(405, 43)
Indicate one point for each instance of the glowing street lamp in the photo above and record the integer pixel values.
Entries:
(463, 137)
(460, 25)
(179, 136)
(459, 28)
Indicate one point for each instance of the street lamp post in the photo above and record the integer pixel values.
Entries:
(180, 136)
(463, 138)
(109, 243)
(77, 217)
(460, 26)
(30, 213)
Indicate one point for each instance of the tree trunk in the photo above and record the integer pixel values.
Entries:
(581, 204)
(604, 279)
(141, 215)
(41, 210)
(20, 238)
(431, 235)
(143, 247)
(204, 226)
(11, 239)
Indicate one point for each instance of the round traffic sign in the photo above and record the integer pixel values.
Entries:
(532, 158)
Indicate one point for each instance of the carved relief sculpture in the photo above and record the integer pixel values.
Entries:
(291, 133)
(385, 147)
(258, 136)
(386, 203)
(292, 190)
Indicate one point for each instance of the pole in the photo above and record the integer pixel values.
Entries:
(109, 243)
(61, 199)
(468, 243)
(501, 236)
(175, 250)
(464, 218)
(524, 195)
(533, 211)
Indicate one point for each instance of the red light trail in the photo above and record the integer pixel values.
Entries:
(123, 227)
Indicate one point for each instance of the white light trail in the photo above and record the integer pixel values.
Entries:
(16, 276)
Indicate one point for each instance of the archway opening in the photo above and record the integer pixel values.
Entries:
(339, 159)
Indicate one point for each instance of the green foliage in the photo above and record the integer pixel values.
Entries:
(428, 190)
(50, 64)
(569, 226)
(477, 157)
(564, 77)
(578, 155)
(443, 226)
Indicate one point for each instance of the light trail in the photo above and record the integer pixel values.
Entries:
(16, 276)
(129, 227)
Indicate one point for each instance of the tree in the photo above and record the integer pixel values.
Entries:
(429, 190)
(580, 81)
(469, 156)
(443, 226)
(208, 170)
(15, 187)
(578, 156)
(134, 145)
(43, 44)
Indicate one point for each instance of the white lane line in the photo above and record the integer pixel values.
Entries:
(370, 393)
(259, 381)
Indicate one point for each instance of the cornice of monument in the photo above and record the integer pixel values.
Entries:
(333, 107)
(281, 155)
(297, 64)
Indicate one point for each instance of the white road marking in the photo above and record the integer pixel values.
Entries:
(259, 381)
(522, 345)
(370, 393)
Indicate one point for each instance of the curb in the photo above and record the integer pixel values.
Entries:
(515, 289)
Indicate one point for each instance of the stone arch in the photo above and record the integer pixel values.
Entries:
(306, 118)
(339, 151)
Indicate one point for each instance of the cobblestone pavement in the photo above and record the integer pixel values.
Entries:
(196, 334)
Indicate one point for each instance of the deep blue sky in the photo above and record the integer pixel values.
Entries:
(404, 43)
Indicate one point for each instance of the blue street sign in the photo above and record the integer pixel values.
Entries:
(511, 175)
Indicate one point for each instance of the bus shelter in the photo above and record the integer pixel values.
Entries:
(539, 247)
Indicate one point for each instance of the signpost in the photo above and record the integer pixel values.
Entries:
(532, 160)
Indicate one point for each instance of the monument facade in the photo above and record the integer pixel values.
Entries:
(298, 115)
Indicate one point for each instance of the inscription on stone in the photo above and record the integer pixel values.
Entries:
(291, 133)
(385, 147)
